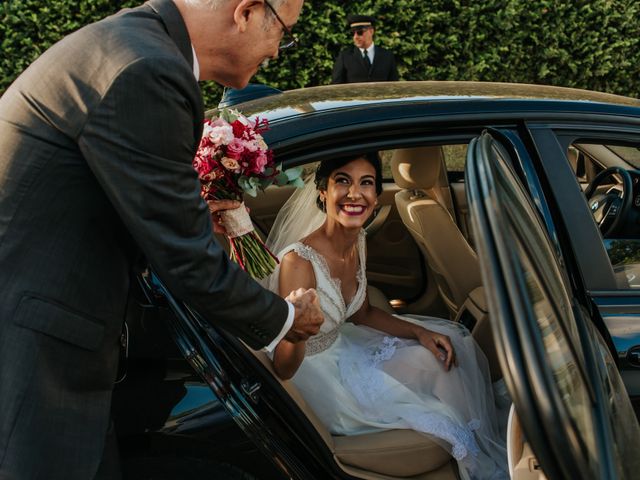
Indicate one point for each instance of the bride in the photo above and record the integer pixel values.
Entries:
(368, 370)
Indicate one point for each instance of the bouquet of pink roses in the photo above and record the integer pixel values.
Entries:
(232, 160)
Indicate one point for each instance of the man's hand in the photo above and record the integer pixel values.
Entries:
(215, 207)
(308, 316)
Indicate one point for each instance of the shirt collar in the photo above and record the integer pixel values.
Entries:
(196, 65)
(368, 50)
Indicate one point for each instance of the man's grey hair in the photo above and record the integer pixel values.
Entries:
(214, 4)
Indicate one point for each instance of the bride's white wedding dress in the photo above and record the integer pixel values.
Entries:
(359, 380)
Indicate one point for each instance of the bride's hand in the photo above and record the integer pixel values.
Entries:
(440, 345)
(217, 206)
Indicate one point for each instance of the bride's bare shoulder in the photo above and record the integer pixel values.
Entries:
(295, 272)
(294, 260)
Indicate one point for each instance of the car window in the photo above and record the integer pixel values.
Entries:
(455, 157)
(385, 160)
(549, 297)
(533, 311)
(624, 255)
(587, 159)
(561, 359)
(629, 154)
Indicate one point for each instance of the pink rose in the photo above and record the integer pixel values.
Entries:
(219, 135)
(259, 162)
(250, 145)
(235, 149)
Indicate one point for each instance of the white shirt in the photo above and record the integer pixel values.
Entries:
(292, 311)
(369, 51)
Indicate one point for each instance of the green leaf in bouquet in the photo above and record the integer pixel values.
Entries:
(253, 191)
(293, 173)
(298, 183)
(265, 182)
(228, 115)
(268, 171)
(281, 179)
(254, 181)
(243, 183)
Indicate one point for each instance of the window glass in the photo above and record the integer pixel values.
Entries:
(587, 159)
(624, 255)
(385, 160)
(551, 306)
(562, 361)
(629, 154)
(455, 157)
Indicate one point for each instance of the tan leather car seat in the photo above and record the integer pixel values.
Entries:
(426, 208)
(388, 455)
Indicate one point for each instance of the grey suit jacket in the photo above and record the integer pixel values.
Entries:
(96, 142)
(350, 67)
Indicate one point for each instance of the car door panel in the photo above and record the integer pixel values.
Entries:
(557, 367)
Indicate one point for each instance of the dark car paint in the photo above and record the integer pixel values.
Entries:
(305, 128)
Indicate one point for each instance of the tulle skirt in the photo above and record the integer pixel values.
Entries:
(368, 381)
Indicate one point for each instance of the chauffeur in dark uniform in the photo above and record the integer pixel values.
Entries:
(364, 62)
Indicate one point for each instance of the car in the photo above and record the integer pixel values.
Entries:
(513, 209)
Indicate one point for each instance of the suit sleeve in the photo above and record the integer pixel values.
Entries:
(339, 71)
(139, 143)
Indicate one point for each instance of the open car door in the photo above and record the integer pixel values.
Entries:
(566, 390)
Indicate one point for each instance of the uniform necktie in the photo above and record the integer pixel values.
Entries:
(365, 57)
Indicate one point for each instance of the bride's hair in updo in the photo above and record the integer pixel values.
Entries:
(326, 167)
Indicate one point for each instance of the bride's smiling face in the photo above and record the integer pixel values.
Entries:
(351, 197)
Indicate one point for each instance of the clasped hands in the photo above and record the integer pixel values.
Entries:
(308, 316)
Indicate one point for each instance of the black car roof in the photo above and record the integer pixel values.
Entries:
(349, 96)
(306, 122)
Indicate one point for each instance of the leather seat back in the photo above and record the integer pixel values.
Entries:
(426, 208)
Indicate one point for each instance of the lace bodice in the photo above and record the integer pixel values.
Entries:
(334, 307)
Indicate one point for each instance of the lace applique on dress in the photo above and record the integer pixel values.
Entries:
(360, 369)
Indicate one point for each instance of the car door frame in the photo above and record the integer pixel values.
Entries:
(540, 415)
(618, 309)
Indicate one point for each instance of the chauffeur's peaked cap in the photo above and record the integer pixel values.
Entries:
(356, 21)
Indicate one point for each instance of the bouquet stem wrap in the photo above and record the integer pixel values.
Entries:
(237, 222)
(247, 249)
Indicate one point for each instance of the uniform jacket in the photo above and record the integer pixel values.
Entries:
(97, 137)
(350, 67)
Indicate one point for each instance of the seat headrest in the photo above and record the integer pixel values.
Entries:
(418, 168)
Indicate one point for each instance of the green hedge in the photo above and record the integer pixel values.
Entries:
(585, 44)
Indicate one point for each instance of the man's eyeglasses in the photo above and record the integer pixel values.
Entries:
(290, 40)
(359, 31)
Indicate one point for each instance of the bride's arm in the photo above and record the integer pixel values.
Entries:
(438, 344)
(295, 273)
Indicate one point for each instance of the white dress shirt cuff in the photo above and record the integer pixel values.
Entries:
(287, 326)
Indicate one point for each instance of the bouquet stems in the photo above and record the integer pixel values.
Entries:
(252, 255)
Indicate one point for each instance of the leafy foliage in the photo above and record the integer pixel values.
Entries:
(592, 44)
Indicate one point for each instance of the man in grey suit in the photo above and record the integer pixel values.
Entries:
(96, 142)
(364, 61)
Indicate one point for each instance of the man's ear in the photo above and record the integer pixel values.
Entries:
(245, 12)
